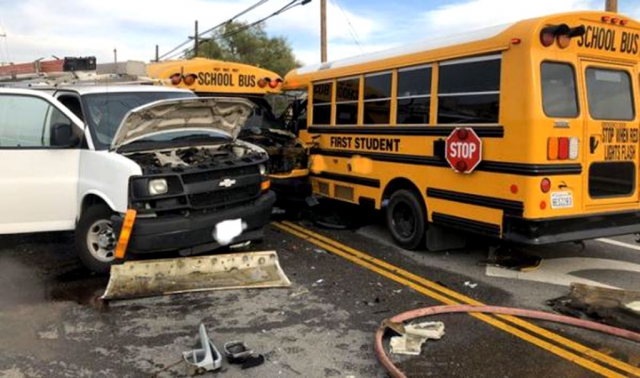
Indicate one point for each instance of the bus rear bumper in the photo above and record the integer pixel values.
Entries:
(565, 229)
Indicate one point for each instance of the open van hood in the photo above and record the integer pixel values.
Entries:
(227, 115)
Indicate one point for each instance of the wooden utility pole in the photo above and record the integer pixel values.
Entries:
(323, 31)
(611, 6)
(196, 41)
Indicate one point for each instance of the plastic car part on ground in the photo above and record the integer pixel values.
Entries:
(149, 278)
(200, 361)
(414, 336)
(428, 311)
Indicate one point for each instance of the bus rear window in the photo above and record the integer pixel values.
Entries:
(609, 94)
(559, 90)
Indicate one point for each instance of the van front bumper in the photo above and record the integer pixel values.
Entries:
(193, 234)
(565, 229)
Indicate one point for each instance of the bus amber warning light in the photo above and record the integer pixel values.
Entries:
(463, 150)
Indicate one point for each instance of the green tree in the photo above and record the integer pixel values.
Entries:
(236, 42)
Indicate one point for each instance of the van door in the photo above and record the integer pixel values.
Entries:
(38, 179)
(611, 133)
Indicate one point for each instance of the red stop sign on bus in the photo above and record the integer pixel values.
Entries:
(463, 150)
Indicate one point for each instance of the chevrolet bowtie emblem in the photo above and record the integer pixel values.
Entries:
(227, 183)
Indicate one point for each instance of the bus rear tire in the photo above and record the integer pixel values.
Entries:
(406, 219)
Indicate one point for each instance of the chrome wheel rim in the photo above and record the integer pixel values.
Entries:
(101, 240)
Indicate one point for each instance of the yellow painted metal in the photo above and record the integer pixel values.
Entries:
(526, 126)
(215, 76)
(246, 270)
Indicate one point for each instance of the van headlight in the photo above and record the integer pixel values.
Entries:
(263, 170)
(158, 186)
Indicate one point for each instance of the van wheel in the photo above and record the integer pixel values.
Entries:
(406, 219)
(95, 239)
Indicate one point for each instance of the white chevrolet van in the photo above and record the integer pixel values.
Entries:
(79, 158)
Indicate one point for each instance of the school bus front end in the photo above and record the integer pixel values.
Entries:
(553, 102)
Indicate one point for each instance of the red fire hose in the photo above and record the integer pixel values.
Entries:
(428, 311)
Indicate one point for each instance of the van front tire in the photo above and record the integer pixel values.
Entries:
(406, 219)
(95, 239)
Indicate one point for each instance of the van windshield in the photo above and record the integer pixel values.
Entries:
(104, 111)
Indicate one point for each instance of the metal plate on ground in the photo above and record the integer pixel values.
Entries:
(150, 278)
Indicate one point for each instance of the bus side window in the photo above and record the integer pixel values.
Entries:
(322, 103)
(559, 97)
(377, 99)
(414, 95)
(347, 95)
(469, 90)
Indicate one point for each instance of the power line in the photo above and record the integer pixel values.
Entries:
(290, 5)
(352, 30)
(163, 56)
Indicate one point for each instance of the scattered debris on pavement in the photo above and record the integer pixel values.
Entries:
(414, 336)
(620, 308)
(200, 361)
(470, 284)
(193, 274)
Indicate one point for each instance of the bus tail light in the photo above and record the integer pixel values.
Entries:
(545, 185)
(562, 148)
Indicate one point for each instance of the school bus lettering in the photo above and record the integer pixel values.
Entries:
(213, 78)
(366, 143)
(620, 141)
(247, 80)
(629, 43)
(605, 39)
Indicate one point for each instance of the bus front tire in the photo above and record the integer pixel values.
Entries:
(406, 219)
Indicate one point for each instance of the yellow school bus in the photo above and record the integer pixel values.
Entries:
(207, 77)
(525, 132)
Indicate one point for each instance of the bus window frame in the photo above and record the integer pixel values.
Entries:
(357, 101)
(576, 90)
(398, 98)
(631, 89)
(330, 103)
(390, 99)
(494, 55)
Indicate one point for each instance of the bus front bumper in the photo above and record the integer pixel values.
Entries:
(565, 229)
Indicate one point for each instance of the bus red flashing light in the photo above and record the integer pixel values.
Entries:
(262, 83)
(462, 134)
(615, 20)
(624, 22)
(561, 33)
(606, 18)
(274, 83)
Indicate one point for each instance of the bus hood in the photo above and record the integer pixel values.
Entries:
(226, 115)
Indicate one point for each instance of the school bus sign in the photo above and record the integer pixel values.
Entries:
(463, 150)
(214, 76)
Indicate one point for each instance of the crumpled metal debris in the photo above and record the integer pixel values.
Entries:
(414, 336)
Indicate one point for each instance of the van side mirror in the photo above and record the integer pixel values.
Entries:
(62, 135)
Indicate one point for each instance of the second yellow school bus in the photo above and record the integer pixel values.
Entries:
(553, 101)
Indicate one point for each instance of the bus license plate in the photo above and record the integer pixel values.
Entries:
(561, 200)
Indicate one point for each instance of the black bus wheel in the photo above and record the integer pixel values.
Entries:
(406, 219)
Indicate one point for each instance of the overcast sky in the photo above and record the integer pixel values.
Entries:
(42, 28)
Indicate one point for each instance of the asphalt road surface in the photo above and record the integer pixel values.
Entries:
(344, 283)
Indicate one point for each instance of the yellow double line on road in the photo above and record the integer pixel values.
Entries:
(585, 356)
